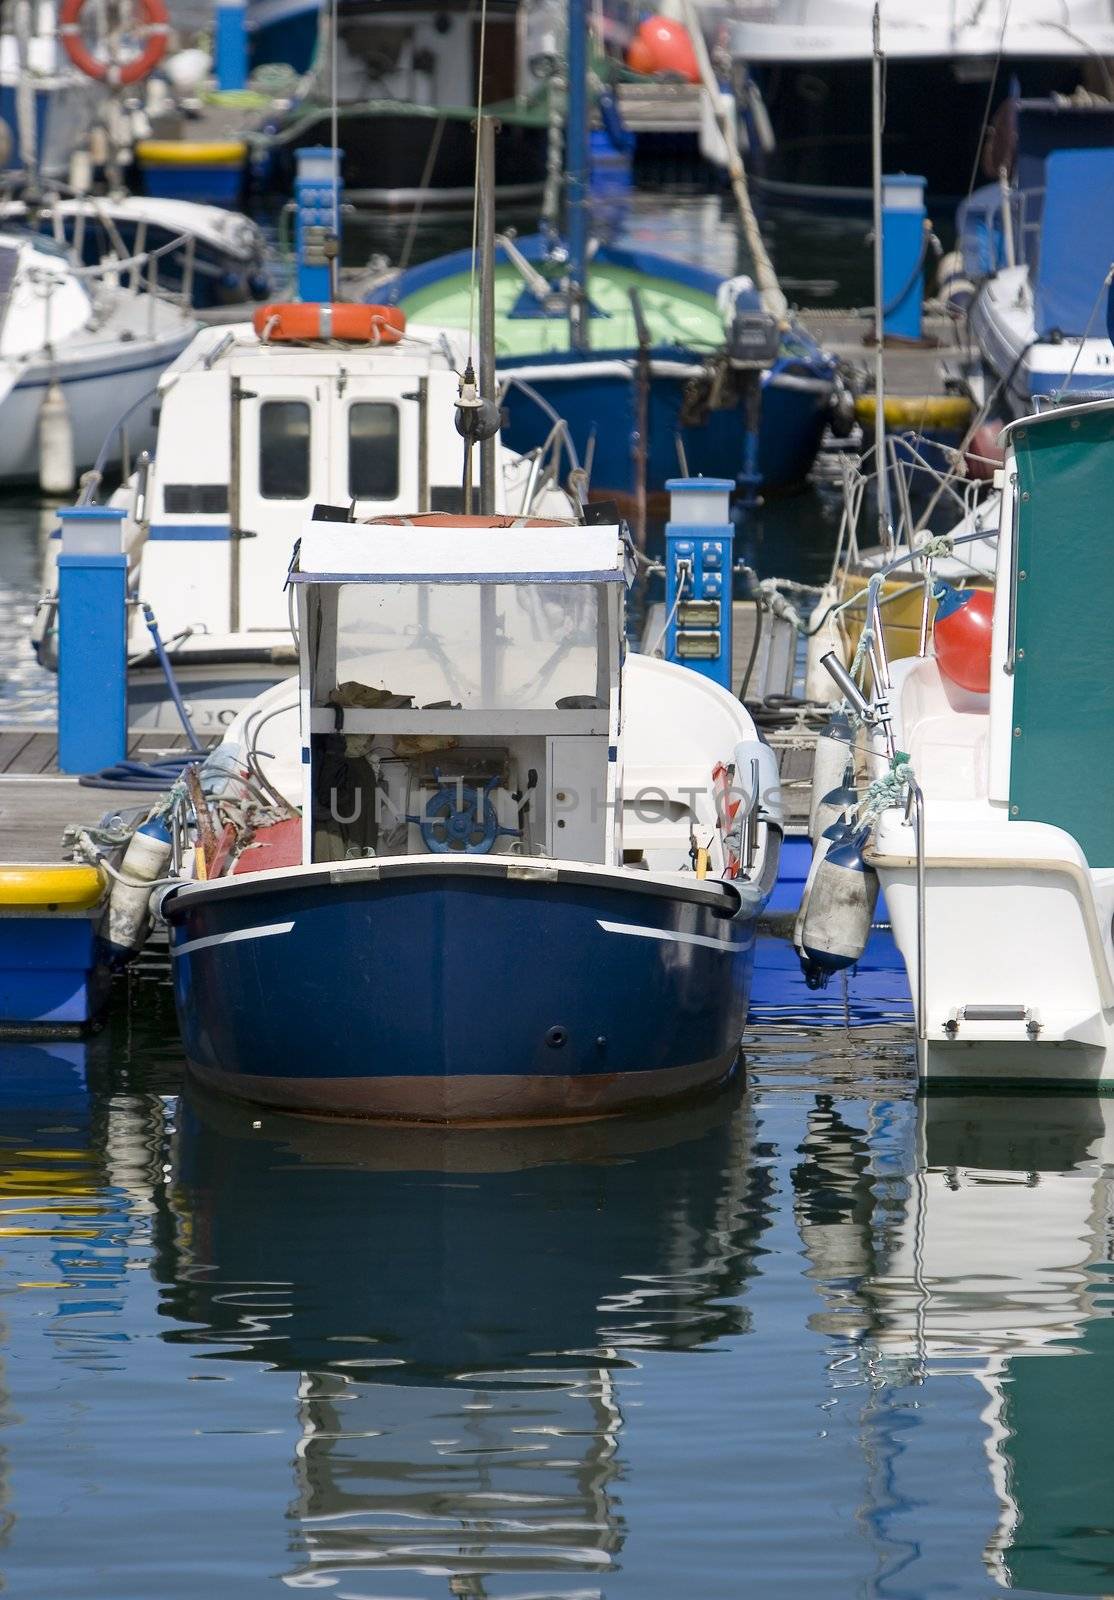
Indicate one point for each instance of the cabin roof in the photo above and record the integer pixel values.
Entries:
(382, 552)
(422, 349)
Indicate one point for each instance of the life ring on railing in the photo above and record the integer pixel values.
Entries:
(156, 27)
(311, 320)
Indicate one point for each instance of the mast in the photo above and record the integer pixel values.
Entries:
(576, 177)
(486, 229)
(885, 520)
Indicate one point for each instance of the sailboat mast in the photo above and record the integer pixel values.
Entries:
(885, 522)
(576, 177)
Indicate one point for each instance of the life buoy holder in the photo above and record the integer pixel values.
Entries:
(306, 322)
(155, 28)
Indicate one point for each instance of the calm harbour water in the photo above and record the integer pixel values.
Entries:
(815, 1338)
(818, 1338)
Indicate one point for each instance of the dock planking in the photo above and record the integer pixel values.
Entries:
(38, 803)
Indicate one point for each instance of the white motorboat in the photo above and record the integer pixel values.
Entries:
(993, 831)
(254, 432)
(219, 259)
(94, 340)
(1036, 249)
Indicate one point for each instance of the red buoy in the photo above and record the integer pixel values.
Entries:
(984, 455)
(962, 633)
(661, 45)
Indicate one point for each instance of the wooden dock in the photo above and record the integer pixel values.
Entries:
(937, 366)
(38, 803)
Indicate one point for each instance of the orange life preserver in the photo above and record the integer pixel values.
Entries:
(156, 26)
(314, 319)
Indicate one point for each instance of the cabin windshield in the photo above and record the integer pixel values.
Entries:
(472, 646)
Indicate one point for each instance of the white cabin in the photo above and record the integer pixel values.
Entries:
(253, 435)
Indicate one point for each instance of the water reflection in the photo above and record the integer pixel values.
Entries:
(995, 1264)
(458, 1310)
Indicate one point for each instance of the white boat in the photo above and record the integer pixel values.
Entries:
(811, 62)
(254, 432)
(96, 333)
(218, 261)
(1037, 250)
(47, 107)
(996, 851)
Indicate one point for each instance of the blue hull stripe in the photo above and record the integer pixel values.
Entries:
(235, 937)
(669, 937)
(214, 532)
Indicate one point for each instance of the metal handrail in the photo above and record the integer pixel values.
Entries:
(140, 265)
(914, 812)
(1011, 614)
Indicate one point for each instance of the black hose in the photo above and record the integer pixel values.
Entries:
(759, 607)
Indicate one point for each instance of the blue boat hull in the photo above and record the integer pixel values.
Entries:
(460, 991)
(796, 408)
(600, 403)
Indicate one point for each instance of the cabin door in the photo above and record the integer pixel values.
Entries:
(280, 470)
(377, 459)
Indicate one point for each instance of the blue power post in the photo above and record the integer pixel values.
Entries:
(92, 639)
(699, 556)
(903, 241)
(231, 48)
(317, 192)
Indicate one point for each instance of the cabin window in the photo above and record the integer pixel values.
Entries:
(469, 646)
(208, 499)
(373, 450)
(284, 450)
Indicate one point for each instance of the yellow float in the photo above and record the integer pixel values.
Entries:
(55, 888)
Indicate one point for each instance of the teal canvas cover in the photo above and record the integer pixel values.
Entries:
(1063, 713)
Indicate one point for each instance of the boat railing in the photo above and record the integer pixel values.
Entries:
(547, 463)
(137, 272)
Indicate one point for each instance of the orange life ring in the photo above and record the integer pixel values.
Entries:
(311, 320)
(156, 27)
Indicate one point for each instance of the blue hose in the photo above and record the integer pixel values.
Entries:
(153, 776)
(171, 680)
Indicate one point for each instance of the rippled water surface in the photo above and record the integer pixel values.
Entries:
(817, 1338)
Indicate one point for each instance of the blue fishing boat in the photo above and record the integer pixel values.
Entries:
(654, 367)
(674, 391)
(1037, 246)
(498, 868)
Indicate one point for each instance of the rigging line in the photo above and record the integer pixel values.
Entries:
(427, 172)
(1104, 285)
(993, 84)
(334, 128)
(476, 186)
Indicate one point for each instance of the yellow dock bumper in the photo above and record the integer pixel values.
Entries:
(60, 888)
(945, 413)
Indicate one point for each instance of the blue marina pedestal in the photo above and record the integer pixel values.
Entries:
(699, 556)
(231, 46)
(903, 236)
(92, 639)
(317, 194)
